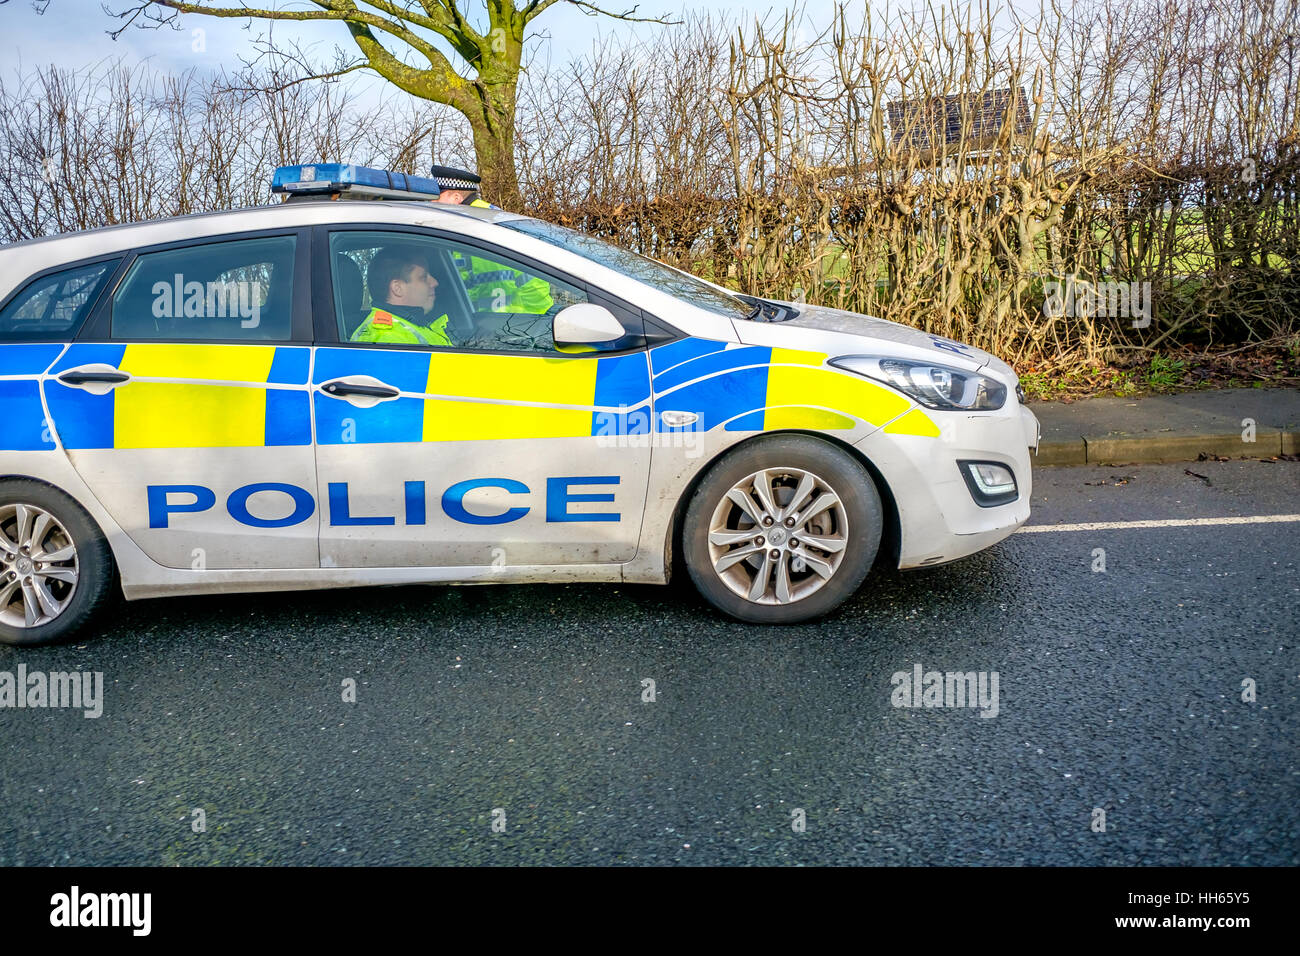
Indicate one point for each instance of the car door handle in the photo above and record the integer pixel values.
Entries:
(344, 388)
(92, 376)
(84, 378)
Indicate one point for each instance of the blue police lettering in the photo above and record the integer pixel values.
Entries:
(453, 498)
(558, 497)
(414, 502)
(340, 514)
(160, 507)
(164, 501)
(304, 505)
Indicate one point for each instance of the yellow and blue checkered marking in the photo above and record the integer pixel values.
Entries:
(22, 416)
(752, 388)
(27, 358)
(456, 396)
(401, 420)
(186, 396)
(24, 427)
(665, 357)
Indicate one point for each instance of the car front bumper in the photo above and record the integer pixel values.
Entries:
(939, 518)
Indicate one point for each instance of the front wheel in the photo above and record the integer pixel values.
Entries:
(56, 568)
(782, 529)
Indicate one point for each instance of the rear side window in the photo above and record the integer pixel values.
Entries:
(239, 289)
(55, 305)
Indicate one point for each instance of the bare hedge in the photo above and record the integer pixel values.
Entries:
(1139, 146)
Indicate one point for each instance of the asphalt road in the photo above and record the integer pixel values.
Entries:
(1118, 690)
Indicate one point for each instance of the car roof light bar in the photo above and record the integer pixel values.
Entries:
(346, 181)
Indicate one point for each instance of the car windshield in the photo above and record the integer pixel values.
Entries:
(666, 279)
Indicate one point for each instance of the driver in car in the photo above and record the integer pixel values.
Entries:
(400, 279)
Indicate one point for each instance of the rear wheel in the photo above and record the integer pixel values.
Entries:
(782, 529)
(56, 569)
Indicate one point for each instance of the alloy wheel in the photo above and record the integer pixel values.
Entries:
(38, 566)
(778, 536)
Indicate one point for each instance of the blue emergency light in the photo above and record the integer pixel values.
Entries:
(345, 181)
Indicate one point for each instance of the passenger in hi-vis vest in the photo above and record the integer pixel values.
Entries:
(491, 286)
(399, 279)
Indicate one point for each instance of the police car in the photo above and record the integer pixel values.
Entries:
(185, 411)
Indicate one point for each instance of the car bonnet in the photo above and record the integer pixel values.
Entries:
(944, 350)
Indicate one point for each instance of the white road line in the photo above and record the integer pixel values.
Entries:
(1162, 523)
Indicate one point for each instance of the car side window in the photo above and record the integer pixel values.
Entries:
(54, 306)
(239, 289)
(393, 288)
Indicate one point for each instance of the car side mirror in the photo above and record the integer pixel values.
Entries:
(586, 324)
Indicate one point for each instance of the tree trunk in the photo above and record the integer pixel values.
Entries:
(494, 143)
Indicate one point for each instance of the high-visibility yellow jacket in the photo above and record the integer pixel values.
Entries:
(383, 326)
(492, 288)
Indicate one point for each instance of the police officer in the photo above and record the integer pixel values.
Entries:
(459, 187)
(400, 279)
(490, 287)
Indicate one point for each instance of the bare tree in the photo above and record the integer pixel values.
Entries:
(1159, 144)
(484, 89)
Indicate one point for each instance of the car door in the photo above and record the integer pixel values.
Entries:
(184, 404)
(500, 450)
(35, 324)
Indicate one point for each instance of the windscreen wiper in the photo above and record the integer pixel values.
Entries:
(766, 311)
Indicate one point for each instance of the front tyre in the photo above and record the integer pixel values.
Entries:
(782, 529)
(56, 569)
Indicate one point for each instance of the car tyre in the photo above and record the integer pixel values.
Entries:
(782, 529)
(56, 569)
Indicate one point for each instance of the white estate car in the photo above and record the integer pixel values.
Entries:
(183, 410)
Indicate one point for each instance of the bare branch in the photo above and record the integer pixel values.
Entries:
(536, 7)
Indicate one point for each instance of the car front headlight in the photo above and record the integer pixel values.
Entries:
(934, 386)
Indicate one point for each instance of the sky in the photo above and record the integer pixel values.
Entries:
(74, 33)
